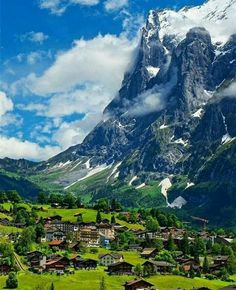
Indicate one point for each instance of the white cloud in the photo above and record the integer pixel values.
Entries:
(230, 91)
(37, 37)
(101, 60)
(33, 57)
(6, 104)
(113, 5)
(72, 133)
(16, 148)
(58, 7)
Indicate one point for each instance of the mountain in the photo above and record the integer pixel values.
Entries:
(169, 136)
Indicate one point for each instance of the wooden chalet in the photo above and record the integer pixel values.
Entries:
(120, 268)
(139, 284)
(57, 264)
(74, 247)
(149, 253)
(36, 259)
(154, 267)
(57, 244)
(110, 258)
(87, 264)
(220, 260)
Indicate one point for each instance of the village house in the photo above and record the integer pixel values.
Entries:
(57, 244)
(53, 233)
(154, 267)
(106, 230)
(109, 259)
(36, 259)
(148, 253)
(186, 263)
(85, 264)
(120, 268)
(59, 264)
(223, 240)
(143, 234)
(74, 247)
(139, 284)
(220, 260)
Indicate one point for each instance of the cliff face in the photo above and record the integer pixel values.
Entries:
(174, 114)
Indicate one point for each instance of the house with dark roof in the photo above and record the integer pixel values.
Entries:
(149, 253)
(139, 284)
(153, 267)
(85, 264)
(109, 259)
(120, 268)
(36, 259)
(57, 264)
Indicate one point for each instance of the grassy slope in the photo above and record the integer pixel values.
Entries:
(82, 280)
(88, 215)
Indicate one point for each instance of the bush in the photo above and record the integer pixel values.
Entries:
(11, 281)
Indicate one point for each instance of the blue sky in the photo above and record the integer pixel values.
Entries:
(62, 61)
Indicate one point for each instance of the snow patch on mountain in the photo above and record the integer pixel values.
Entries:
(114, 170)
(132, 180)
(92, 172)
(165, 185)
(217, 16)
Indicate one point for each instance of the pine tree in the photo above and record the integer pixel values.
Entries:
(102, 284)
(205, 266)
(113, 219)
(98, 217)
(185, 245)
(170, 243)
(52, 287)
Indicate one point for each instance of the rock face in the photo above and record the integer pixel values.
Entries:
(172, 115)
(168, 103)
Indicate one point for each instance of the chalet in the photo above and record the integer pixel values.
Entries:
(223, 240)
(57, 244)
(186, 263)
(88, 264)
(5, 269)
(220, 260)
(53, 233)
(143, 234)
(109, 259)
(135, 248)
(36, 259)
(58, 264)
(149, 253)
(158, 267)
(138, 285)
(120, 268)
(74, 247)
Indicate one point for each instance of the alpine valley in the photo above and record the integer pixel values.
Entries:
(168, 138)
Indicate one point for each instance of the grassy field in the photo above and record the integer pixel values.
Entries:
(89, 280)
(89, 215)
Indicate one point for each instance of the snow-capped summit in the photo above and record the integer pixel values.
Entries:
(217, 16)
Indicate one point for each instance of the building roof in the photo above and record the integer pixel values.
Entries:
(133, 282)
(55, 243)
(221, 258)
(120, 263)
(160, 263)
(113, 255)
(148, 251)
